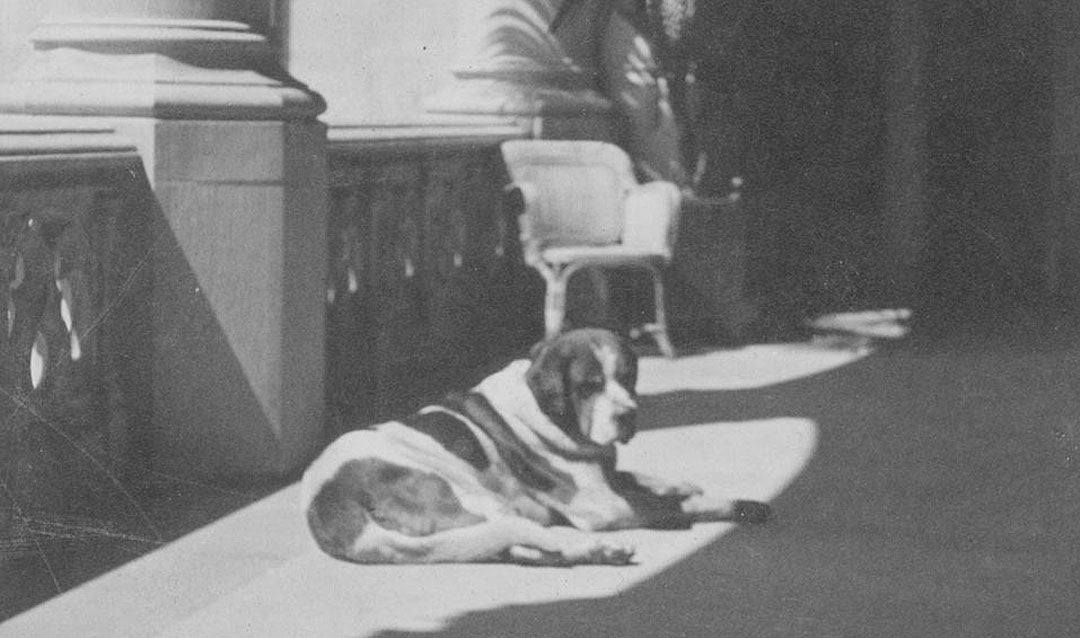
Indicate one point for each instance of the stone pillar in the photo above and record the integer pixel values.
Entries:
(237, 163)
(512, 65)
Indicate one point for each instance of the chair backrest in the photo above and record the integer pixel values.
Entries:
(580, 187)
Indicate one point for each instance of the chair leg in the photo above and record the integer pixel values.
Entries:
(660, 329)
(600, 309)
(554, 305)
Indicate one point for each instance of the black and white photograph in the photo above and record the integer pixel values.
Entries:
(540, 318)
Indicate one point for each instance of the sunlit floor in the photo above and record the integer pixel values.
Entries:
(920, 490)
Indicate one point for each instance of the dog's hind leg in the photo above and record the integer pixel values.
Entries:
(565, 546)
(510, 538)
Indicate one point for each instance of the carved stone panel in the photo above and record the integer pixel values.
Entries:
(422, 285)
(73, 374)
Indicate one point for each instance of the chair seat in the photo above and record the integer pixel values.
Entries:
(600, 254)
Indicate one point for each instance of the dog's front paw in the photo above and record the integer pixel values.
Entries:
(682, 491)
(598, 551)
(751, 512)
(710, 509)
(664, 488)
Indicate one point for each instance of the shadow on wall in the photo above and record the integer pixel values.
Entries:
(209, 422)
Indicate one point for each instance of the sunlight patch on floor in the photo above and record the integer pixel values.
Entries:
(749, 367)
(319, 596)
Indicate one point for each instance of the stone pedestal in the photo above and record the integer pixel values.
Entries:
(237, 163)
(511, 65)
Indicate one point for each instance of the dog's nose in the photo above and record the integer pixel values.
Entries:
(621, 400)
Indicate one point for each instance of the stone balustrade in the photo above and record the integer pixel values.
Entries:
(424, 278)
(425, 281)
(75, 235)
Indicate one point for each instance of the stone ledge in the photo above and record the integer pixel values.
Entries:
(362, 138)
(40, 144)
(161, 68)
(82, 31)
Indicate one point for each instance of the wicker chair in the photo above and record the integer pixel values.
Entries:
(580, 206)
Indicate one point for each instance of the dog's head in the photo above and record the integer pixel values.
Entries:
(584, 382)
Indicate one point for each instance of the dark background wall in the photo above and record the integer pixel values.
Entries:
(797, 102)
(989, 137)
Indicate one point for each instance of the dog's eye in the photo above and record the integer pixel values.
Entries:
(591, 384)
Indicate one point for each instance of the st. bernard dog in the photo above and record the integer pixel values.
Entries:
(521, 468)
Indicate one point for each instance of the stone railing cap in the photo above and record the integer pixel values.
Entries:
(27, 142)
(344, 133)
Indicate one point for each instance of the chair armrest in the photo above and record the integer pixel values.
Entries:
(520, 201)
(651, 217)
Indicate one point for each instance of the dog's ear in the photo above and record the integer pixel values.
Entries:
(546, 379)
(538, 348)
(628, 371)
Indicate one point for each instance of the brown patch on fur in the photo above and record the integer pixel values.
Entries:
(398, 498)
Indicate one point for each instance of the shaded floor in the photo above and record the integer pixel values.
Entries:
(58, 554)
